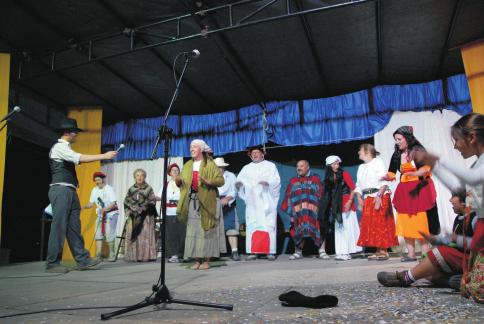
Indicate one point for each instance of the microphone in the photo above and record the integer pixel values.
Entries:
(195, 53)
(120, 148)
(15, 110)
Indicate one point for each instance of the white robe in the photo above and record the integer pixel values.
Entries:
(261, 205)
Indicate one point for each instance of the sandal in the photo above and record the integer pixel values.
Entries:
(373, 257)
(323, 255)
(196, 266)
(296, 256)
(382, 257)
(204, 266)
(407, 259)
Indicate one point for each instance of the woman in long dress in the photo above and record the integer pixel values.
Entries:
(374, 200)
(200, 207)
(415, 196)
(338, 198)
(139, 206)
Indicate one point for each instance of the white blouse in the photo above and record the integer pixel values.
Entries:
(172, 193)
(369, 175)
(455, 178)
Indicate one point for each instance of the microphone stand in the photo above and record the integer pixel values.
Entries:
(161, 292)
(6, 123)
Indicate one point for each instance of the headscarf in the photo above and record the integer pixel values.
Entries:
(201, 144)
(332, 158)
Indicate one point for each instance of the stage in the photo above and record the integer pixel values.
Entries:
(252, 287)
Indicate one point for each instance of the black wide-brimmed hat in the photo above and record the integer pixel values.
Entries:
(68, 123)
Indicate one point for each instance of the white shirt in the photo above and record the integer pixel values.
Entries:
(62, 151)
(369, 175)
(172, 193)
(107, 195)
(455, 177)
(252, 174)
(228, 189)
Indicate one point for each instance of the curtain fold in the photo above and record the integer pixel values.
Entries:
(349, 117)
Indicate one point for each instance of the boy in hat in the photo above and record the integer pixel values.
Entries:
(66, 208)
(104, 196)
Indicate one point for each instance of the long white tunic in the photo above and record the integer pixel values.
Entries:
(261, 205)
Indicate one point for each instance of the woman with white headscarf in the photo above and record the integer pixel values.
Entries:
(199, 206)
(338, 199)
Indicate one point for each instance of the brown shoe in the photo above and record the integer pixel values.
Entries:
(390, 279)
(57, 269)
(92, 263)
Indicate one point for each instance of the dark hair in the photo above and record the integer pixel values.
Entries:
(471, 122)
(412, 142)
(329, 177)
(461, 194)
(371, 148)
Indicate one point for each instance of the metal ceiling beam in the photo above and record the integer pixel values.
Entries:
(112, 12)
(220, 30)
(447, 40)
(104, 65)
(314, 52)
(16, 83)
(247, 79)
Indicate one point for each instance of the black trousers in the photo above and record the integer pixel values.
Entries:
(66, 223)
(176, 231)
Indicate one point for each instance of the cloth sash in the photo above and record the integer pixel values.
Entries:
(103, 227)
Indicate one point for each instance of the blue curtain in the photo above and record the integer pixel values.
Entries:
(349, 117)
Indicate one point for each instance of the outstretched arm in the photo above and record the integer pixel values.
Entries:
(93, 158)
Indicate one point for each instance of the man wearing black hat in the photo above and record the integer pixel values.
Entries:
(104, 197)
(66, 208)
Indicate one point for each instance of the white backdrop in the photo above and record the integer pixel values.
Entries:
(120, 177)
(433, 131)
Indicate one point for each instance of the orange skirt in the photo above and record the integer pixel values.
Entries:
(377, 226)
(409, 225)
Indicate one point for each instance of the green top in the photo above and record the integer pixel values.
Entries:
(207, 195)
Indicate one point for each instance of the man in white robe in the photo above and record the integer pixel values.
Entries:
(259, 185)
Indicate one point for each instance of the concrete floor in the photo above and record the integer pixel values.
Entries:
(251, 287)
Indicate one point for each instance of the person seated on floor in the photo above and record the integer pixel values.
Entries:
(443, 266)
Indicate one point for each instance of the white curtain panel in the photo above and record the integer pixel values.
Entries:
(432, 129)
(120, 176)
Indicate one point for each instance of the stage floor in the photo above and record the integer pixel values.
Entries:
(252, 287)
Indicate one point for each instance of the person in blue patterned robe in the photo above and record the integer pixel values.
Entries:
(301, 202)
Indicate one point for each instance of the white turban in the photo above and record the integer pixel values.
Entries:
(201, 144)
(331, 159)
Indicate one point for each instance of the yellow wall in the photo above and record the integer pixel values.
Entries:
(4, 82)
(88, 142)
(473, 57)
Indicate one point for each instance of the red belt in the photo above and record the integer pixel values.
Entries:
(171, 205)
(103, 228)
